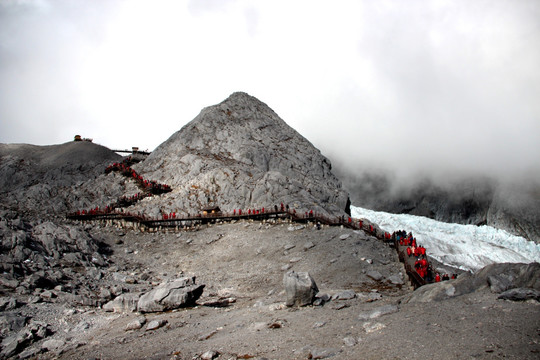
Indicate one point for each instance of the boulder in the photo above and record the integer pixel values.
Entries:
(378, 312)
(498, 277)
(218, 302)
(321, 299)
(350, 341)
(501, 277)
(373, 296)
(396, 279)
(373, 327)
(209, 355)
(345, 295)
(433, 292)
(123, 303)
(520, 294)
(156, 324)
(323, 353)
(171, 295)
(52, 344)
(136, 324)
(375, 275)
(300, 288)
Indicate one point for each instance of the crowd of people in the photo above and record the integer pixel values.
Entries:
(417, 253)
(148, 186)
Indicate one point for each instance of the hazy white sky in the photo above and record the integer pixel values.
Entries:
(419, 84)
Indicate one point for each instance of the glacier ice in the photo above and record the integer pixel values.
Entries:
(468, 247)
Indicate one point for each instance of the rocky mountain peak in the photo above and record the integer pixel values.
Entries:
(241, 154)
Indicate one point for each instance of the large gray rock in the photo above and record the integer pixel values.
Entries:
(497, 277)
(520, 294)
(156, 324)
(123, 303)
(502, 277)
(300, 288)
(240, 154)
(171, 295)
(375, 275)
(345, 295)
(136, 324)
(52, 344)
(433, 292)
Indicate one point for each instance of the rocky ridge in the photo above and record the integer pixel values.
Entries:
(47, 181)
(240, 154)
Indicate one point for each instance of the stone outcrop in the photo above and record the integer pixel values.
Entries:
(31, 333)
(300, 288)
(497, 277)
(123, 303)
(240, 154)
(520, 294)
(43, 255)
(171, 295)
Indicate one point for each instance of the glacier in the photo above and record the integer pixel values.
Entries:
(467, 247)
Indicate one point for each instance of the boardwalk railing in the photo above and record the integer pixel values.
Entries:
(168, 221)
(149, 188)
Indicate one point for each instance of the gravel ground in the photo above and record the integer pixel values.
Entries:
(247, 261)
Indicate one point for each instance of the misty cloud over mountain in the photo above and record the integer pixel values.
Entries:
(438, 88)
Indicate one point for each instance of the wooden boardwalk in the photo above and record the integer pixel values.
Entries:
(114, 213)
(200, 219)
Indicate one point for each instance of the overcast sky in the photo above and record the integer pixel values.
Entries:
(416, 84)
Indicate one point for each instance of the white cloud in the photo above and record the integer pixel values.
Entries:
(432, 84)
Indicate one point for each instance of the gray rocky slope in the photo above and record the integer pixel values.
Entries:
(237, 155)
(58, 277)
(48, 181)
